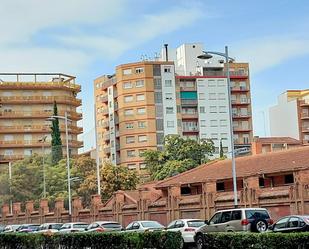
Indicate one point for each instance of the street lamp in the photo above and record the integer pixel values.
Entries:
(208, 55)
(43, 140)
(65, 118)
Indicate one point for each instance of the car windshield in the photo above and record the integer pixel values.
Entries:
(80, 225)
(196, 223)
(151, 224)
(111, 225)
(34, 227)
(257, 214)
(55, 226)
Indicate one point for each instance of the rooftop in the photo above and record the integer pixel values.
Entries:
(277, 140)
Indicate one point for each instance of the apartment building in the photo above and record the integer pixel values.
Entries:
(26, 103)
(290, 117)
(145, 101)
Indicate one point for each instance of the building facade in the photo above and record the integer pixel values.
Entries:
(145, 101)
(26, 102)
(290, 117)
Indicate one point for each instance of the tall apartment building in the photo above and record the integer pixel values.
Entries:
(26, 102)
(145, 101)
(290, 117)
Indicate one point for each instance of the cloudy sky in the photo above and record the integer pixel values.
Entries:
(87, 38)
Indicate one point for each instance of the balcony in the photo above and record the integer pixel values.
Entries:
(304, 103)
(105, 124)
(239, 115)
(240, 141)
(116, 119)
(242, 129)
(240, 89)
(304, 116)
(40, 100)
(190, 129)
(37, 114)
(107, 150)
(233, 74)
(35, 143)
(111, 81)
(189, 102)
(105, 111)
(189, 115)
(104, 99)
(240, 101)
(188, 88)
(106, 136)
(305, 129)
(8, 158)
(37, 129)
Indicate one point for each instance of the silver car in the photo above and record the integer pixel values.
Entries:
(144, 225)
(73, 227)
(49, 228)
(234, 220)
(104, 226)
(187, 227)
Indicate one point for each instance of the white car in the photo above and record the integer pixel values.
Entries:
(49, 228)
(11, 228)
(144, 225)
(104, 226)
(187, 227)
(73, 227)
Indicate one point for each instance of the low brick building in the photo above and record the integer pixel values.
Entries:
(278, 181)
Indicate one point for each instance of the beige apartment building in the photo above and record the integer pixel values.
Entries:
(290, 117)
(26, 103)
(147, 100)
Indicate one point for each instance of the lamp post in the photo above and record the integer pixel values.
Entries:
(42, 140)
(10, 178)
(65, 118)
(205, 56)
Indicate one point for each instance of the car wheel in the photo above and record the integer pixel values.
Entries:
(260, 226)
(199, 241)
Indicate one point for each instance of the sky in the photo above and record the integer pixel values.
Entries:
(88, 38)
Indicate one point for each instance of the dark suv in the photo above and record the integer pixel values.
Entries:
(234, 220)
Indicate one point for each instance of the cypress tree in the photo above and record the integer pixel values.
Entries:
(221, 149)
(56, 138)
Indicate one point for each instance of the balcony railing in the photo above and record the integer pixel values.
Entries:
(38, 114)
(241, 141)
(106, 136)
(11, 157)
(305, 115)
(107, 150)
(241, 115)
(304, 103)
(104, 98)
(242, 128)
(240, 89)
(105, 124)
(37, 129)
(40, 99)
(35, 143)
(192, 115)
(187, 88)
(105, 111)
(189, 102)
(224, 74)
(190, 129)
(240, 101)
(305, 128)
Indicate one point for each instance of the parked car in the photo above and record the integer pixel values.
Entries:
(187, 227)
(292, 223)
(2, 227)
(73, 227)
(144, 225)
(28, 228)
(11, 228)
(234, 220)
(49, 228)
(104, 226)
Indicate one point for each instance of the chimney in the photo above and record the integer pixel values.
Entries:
(166, 52)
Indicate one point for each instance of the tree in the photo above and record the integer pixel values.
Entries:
(178, 155)
(56, 138)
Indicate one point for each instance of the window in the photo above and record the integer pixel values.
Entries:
(129, 126)
(141, 110)
(142, 165)
(215, 219)
(130, 139)
(185, 190)
(212, 96)
(213, 123)
(139, 83)
(27, 152)
(213, 109)
(281, 223)
(214, 136)
(170, 124)
(221, 83)
(169, 96)
(220, 186)
(293, 222)
(8, 137)
(221, 96)
(160, 138)
(157, 83)
(128, 98)
(142, 138)
(201, 96)
(169, 110)
(261, 182)
(158, 97)
(127, 71)
(131, 166)
(226, 216)
(140, 152)
(289, 179)
(211, 83)
(140, 97)
(222, 109)
(141, 124)
(167, 69)
(8, 152)
(168, 83)
(128, 112)
(139, 70)
(127, 85)
(223, 136)
(223, 123)
(130, 153)
(159, 124)
(202, 109)
(203, 123)
(236, 215)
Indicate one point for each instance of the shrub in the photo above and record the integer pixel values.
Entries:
(147, 240)
(257, 241)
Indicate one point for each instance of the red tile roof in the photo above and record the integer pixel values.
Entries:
(277, 140)
(274, 162)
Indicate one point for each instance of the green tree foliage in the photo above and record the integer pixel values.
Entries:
(221, 150)
(56, 138)
(178, 155)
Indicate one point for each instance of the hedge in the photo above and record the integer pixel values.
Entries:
(147, 240)
(257, 241)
